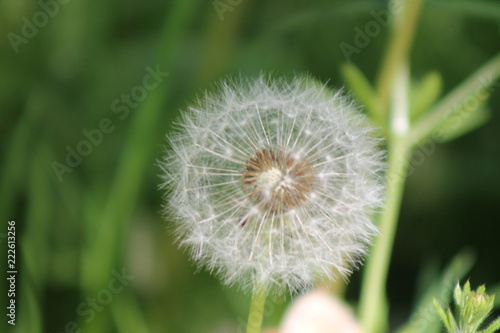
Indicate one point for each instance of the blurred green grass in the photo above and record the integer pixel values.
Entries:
(104, 215)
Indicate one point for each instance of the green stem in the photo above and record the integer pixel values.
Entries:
(375, 275)
(372, 306)
(372, 303)
(398, 49)
(256, 313)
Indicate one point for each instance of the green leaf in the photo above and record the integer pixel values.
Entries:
(442, 314)
(461, 126)
(424, 318)
(481, 289)
(471, 308)
(459, 104)
(453, 324)
(425, 93)
(457, 293)
(361, 88)
(493, 326)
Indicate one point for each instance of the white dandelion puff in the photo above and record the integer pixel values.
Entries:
(274, 183)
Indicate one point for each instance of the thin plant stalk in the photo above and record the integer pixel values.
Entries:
(399, 150)
(404, 27)
(256, 313)
(375, 275)
(372, 301)
(372, 297)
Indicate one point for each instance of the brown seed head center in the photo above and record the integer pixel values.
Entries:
(277, 181)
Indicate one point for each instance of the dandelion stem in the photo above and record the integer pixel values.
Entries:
(256, 313)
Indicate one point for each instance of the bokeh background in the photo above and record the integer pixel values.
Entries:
(69, 71)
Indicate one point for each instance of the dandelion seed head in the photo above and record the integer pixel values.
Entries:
(274, 182)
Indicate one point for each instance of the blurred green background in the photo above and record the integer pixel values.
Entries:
(67, 68)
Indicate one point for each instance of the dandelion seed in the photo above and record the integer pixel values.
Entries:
(274, 182)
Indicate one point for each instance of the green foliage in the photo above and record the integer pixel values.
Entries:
(424, 93)
(104, 214)
(362, 89)
(423, 318)
(472, 308)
